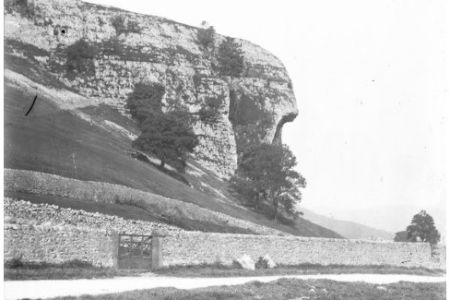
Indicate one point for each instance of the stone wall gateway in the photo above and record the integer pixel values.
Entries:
(58, 244)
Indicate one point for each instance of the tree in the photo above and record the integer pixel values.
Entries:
(230, 58)
(205, 36)
(267, 171)
(145, 100)
(401, 236)
(167, 136)
(422, 228)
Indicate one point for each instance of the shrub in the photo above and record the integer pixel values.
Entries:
(262, 263)
(122, 25)
(79, 58)
(236, 265)
(230, 58)
(101, 22)
(14, 263)
(205, 36)
(246, 111)
(197, 79)
(133, 27)
(210, 112)
(20, 6)
(118, 22)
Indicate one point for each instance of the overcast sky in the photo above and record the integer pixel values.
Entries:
(370, 82)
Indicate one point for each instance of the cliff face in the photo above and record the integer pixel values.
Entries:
(170, 54)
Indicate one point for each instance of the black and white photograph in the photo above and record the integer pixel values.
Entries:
(215, 150)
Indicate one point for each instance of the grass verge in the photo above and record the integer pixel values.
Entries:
(17, 270)
(289, 289)
(219, 270)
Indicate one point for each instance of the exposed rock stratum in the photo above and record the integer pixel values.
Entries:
(167, 53)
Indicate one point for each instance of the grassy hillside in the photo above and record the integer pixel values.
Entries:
(58, 141)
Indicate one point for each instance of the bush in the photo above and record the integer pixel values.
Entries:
(14, 263)
(79, 58)
(205, 36)
(133, 27)
(236, 265)
(230, 58)
(246, 111)
(262, 263)
(121, 25)
(20, 6)
(118, 22)
(210, 112)
(197, 79)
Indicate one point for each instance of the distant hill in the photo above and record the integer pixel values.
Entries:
(347, 229)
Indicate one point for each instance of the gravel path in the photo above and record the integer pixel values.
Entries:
(33, 289)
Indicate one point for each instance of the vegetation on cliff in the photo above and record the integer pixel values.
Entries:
(205, 36)
(79, 58)
(122, 25)
(230, 58)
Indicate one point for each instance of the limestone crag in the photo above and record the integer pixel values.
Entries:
(168, 53)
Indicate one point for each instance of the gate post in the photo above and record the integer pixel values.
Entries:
(115, 237)
(156, 251)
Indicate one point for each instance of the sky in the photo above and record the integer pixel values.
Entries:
(370, 80)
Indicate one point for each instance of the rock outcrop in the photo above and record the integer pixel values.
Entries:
(168, 53)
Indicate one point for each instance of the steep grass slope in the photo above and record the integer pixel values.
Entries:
(71, 144)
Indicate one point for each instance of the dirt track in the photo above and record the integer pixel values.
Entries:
(33, 289)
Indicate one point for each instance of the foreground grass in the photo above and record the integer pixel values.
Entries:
(70, 270)
(225, 271)
(78, 270)
(288, 289)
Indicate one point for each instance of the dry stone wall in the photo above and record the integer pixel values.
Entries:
(53, 215)
(191, 248)
(58, 244)
(47, 233)
(48, 184)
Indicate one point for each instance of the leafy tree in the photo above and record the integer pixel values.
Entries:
(266, 174)
(167, 136)
(145, 101)
(230, 58)
(422, 228)
(79, 58)
(401, 236)
(205, 36)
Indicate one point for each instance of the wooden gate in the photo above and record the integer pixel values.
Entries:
(135, 251)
